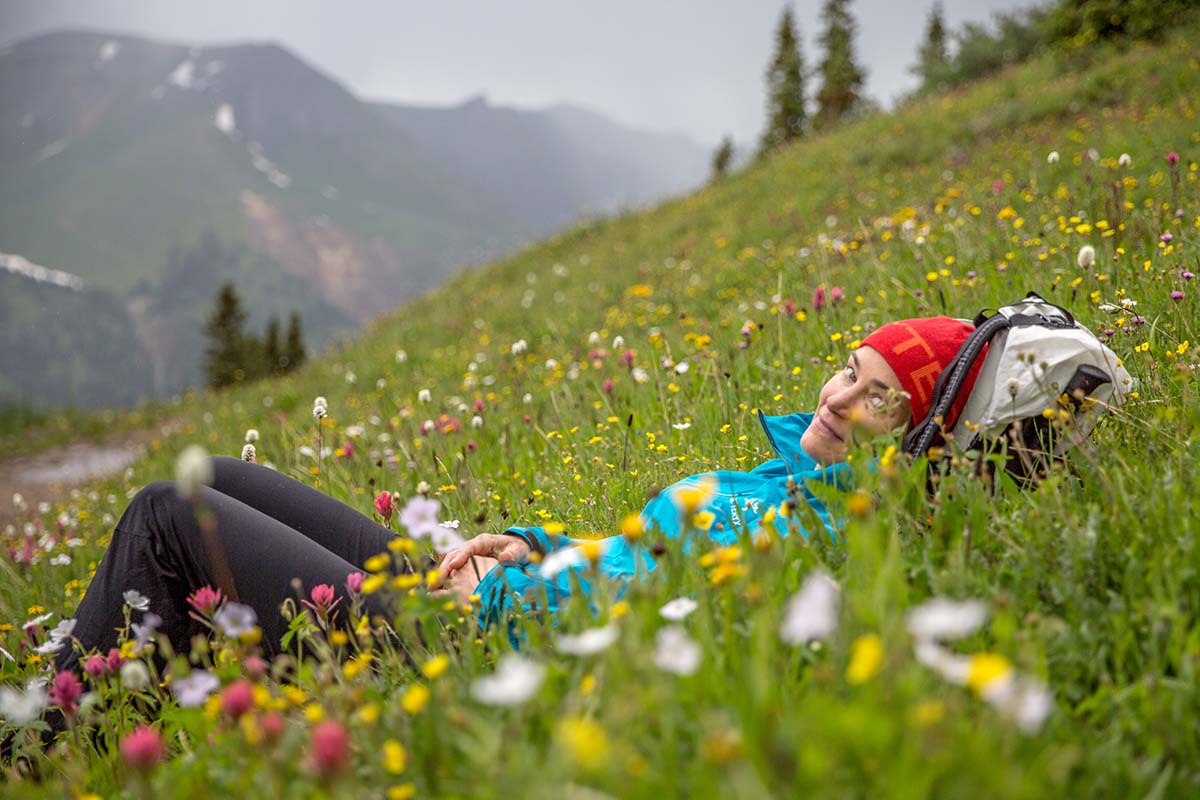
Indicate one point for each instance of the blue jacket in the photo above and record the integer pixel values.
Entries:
(739, 502)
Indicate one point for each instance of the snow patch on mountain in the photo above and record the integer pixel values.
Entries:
(19, 265)
(184, 75)
(224, 120)
(266, 167)
(108, 51)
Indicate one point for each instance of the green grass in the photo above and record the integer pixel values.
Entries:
(1091, 580)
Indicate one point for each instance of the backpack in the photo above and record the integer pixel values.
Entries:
(1043, 385)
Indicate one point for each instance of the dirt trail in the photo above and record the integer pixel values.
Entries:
(51, 474)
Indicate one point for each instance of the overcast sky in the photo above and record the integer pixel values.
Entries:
(684, 65)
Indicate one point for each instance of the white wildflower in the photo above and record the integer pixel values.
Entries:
(618, 342)
(420, 517)
(942, 618)
(249, 453)
(476, 421)
(134, 676)
(1125, 160)
(194, 689)
(593, 339)
(320, 412)
(21, 708)
(320, 401)
(1086, 257)
(252, 435)
(681, 367)
(136, 600)
(424, 396)
(639, 375)
(681, 426)
(445, 539)
(192, 470)
(811, 612)
(590, 642)
(527, 398)
(401, 356)
(678, 609)
(675, 651)
(949, 665)
(519, 346)
(234, 619)
(514, 682)
(1052, 158)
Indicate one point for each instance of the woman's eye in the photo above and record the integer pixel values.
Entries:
(876, 402)
(851, 374)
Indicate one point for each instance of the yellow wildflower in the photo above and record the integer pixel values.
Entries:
(866, 658)
(395, 758)
(585, 741)
(415, 698)
(986, 668)
(435, 667)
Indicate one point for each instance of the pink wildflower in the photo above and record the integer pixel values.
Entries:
(384, 506)
(205, 600)
(65, 692)
(323, 599)
(114, 660)
(255, 666)
(144, 748)
(354, 582)
(1172, 158)
(238, 698)
(837, 294)
(818, 298)
(330, 747)
(608, 385)
(271, 724)
(96, 666)
(628, 357)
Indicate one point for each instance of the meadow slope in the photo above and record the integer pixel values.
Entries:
(536, 414)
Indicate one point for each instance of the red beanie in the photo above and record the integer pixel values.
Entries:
(918, 350)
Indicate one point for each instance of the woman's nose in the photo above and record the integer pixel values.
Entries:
(841, 399)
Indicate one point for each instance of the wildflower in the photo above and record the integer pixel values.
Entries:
(323, 599)
(63, 630)
(942, 618)
(519, 346)
(435, 667)
(1124, 160)
(143, 748)
(950, 666)
(395, 758)
(1166, 238)
(330, 748)
(445, 538)
(812, 612)
(251, 435)
(818, 298)
(192, 470)
(836, 294)
(354, 582)
(678, 609)
(134, 676)
(631, 527)
(693, 496)
(237, 698)
(639, 375)
(320, 401)
(235, 619)
(415, 698)
(424, 396)
(205, 600)
(65, 691)
(514, 682)
(681, 367)
(255, 666)
(96, 666)
(1172, 158)
(320, 412)
(985, 668)
(1086, 257)
(1052, 157)
(20, 708)
(401, 356)
(476, 421)
(249, 453)
(568, 557)
(192, 690)
(675, 651)
(585, 741)
(866, 658)
(681, 426)
(590, 642)
(420, 516)
(618, 342)
(136, 600)
(607, 386)
(1177, 295)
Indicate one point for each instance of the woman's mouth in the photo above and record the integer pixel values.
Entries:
(825, 426)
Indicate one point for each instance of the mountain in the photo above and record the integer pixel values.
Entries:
(117, 154)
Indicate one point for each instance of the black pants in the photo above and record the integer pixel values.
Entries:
(270, 531)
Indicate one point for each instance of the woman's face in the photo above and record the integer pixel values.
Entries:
(861, 402)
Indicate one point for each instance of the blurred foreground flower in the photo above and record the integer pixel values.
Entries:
(942, 618)
(143, 748)
(678, 609)
(589, 642)
(514, 682)
(192, 470)
(675, 651)
(193, 689)
(420, 517)
(330, 748)
(811, 612)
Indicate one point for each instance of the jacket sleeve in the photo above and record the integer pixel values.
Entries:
(541, 542)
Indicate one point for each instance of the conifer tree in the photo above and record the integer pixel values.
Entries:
(272, 352)
(786, 114)
(932, 58)
(225, 357)
(841, 77)
(722, 158)
(293, 350)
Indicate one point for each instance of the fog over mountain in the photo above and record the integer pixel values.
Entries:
(154, 171)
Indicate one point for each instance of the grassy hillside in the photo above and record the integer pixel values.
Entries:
(952, 205)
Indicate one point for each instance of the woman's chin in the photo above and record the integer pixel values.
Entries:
(823, 449)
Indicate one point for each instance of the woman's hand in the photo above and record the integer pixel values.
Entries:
(488, 545)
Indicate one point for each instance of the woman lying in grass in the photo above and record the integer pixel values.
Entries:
(262, 537)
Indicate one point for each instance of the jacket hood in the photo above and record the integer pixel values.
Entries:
(784, 432)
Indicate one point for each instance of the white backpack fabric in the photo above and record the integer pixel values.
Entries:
(1038, 358)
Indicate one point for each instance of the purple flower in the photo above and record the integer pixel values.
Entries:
(1176, 295)
(234, 619)
(194, 689)
(420, 517)
(1186, 275)
(1166, 238)
(149, 624)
